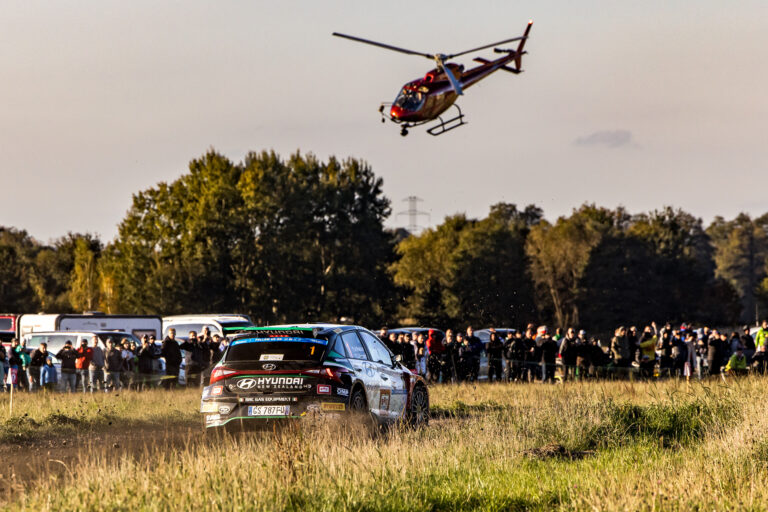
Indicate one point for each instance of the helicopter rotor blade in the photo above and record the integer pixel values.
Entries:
(382, 45)
(485, 46)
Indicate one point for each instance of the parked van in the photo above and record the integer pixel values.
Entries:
(138, 325)
(217, 324)
(7, 327)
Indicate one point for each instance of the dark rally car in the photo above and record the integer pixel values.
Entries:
(290, 371)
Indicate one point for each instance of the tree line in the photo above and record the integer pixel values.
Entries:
(299, 239)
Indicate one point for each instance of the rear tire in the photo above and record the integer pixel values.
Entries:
(418, 413)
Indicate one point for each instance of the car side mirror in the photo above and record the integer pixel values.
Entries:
(398, 358)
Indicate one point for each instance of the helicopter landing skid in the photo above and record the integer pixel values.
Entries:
(448, 124)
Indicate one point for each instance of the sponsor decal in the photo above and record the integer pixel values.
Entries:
(399, 391)
(270, 357)
(323, 389)
(384, 399)
(268, 399)
(287, 383)
(206, 392)
(209, 407)
(342, 391)
(313, 407)
(225, 409)
(269, 366)
(216, 390)
(332, 406)
(212, 419)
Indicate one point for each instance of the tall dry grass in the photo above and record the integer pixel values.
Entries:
(644, 446)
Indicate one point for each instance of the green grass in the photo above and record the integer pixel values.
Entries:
(665, 446)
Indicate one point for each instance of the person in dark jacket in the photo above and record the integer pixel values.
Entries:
(68, 357)
(146, 358)
(15, 363)
(664, 349)
(172, 353)
(200, 357)
(476, 348)
(716, 352)
(514, 355)
(546, 348)
(436, 358)
(568, 350)
(495, 350)
(114, 364)
(36, 363)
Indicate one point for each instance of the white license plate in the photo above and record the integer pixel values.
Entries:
(268, 410)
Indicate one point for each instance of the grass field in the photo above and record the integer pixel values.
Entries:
(593, 446)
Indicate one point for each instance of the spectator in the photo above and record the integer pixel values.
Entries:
(48, 376)
(21, 349)
(421, 354)
(495, 351)
(172, 353)
(450, 357)
(547, 351)
(3, 362)
(748, 342)
(36, 362)
(199, 354)
(737, 364)
(14, 364)
(582, 354)
(435, 361)
(465, 356)
(514, 355)
(84, 355)
(129, 364)
(114, 363)
(567, 352)
(68, 357)
(476, 351)
(146, 359)
(664, 351)
(408, 351)
(647, 352)
(96, 366)
(620, 348)
(716, 352)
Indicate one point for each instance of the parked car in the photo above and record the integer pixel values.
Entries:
(217, 324)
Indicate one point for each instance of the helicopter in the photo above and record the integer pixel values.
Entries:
(423, 100)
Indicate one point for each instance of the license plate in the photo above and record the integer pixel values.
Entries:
(268, 410)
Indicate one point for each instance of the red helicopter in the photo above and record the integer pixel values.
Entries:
(423, 100)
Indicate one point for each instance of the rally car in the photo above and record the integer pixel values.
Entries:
(291, 371)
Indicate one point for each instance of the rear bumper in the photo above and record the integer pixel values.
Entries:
(219, 412)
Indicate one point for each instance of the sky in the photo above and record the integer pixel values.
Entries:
(638, 104)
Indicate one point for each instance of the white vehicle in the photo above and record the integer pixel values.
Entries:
(217, 324)
(138, 325)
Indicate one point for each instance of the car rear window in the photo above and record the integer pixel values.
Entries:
(6, 324)
(276, 349)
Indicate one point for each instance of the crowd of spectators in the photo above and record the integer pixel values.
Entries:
(109, 366)
(536, 354)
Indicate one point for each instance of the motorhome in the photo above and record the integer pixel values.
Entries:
(138, 325)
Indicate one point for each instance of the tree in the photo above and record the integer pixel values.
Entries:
(469, 271)
(559, 255)
(84, 288)
(741, 258)
(283, 240)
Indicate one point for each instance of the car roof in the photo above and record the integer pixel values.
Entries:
(205, 318)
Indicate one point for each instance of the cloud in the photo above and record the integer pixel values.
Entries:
(607, 138)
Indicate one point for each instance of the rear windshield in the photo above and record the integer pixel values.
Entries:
(276, 349)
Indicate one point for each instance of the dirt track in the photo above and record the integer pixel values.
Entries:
(21, 464)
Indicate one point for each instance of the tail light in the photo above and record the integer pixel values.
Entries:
(221, 373)
(333, 374)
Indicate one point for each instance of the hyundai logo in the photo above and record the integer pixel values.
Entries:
(246, 384)
(269, 366)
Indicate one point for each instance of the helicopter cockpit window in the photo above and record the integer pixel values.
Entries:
(409, 99)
